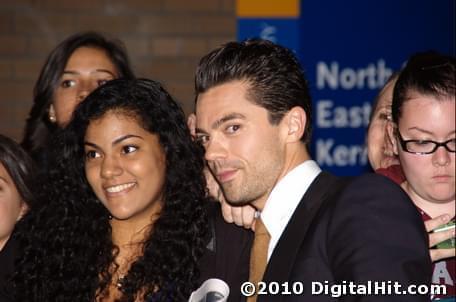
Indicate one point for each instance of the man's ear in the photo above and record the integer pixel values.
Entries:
(295, 124)
(191, 123)
(391, 129)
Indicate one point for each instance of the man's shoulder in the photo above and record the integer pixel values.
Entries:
(365, 182)
(375, 184)
(369, 191)
(373, 194)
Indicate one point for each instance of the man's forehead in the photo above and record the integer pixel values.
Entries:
(211, 110)
(212, 114)
(236, 89)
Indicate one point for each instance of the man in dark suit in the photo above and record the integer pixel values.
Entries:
(317, 237)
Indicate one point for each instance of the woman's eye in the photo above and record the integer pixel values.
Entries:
(129, 149)
(385, 116)
(382, 116)
(92, 154)
(67, 83)
(423, 142)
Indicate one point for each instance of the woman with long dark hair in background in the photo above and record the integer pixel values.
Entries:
(74, 68)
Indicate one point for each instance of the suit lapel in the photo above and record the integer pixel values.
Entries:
(282, 259)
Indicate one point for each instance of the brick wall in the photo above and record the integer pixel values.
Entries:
(164, 38)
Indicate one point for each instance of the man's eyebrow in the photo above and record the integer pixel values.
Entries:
(86, 143)
(224, 119)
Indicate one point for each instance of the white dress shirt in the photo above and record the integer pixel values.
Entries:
(284, 199)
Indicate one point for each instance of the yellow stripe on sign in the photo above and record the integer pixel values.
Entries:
(267, 8)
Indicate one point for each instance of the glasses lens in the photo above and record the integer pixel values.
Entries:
(420, 146)
(452, 145)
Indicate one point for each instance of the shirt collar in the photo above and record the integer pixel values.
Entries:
(284, 199)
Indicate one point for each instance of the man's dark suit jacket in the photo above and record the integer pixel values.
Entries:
(363, 230)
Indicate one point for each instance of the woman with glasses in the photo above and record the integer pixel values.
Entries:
(423, 136)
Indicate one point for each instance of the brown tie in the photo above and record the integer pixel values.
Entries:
(258, 255)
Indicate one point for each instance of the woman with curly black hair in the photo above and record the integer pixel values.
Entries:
(125, 217)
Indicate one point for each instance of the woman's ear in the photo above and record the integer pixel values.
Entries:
(23, 211)
(391, 137)
(52, 116)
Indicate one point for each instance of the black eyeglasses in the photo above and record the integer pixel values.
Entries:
(421, 147)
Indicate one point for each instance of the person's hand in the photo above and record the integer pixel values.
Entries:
(437, 237)
(213, 186)
(242, 216)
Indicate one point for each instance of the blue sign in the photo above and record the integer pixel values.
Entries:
(349, 49)
(285, 32)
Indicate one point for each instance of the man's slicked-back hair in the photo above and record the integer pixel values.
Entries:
(275, 78)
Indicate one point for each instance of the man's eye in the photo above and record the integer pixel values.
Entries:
(129, 149)
(202, 139)
(102, 82)
(232, 128)
(67, 83)
(92, 154)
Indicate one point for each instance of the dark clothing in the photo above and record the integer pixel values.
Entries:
(368, 231)
(443, 271)
(227, 254)
(358, 231)
(393, 172)
(8, 256)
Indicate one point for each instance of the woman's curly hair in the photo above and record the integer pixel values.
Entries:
(69, 251)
